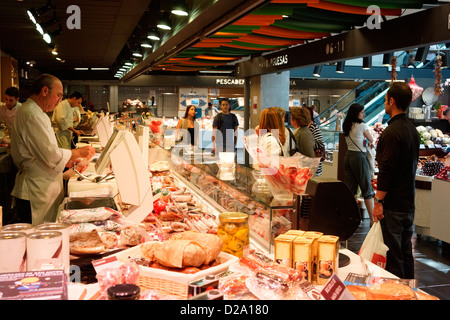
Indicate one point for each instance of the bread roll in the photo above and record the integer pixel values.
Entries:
(180, 254)
(211, 243)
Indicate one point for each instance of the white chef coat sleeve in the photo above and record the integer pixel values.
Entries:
(41, 142)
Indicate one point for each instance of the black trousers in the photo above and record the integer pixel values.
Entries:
(23, 211)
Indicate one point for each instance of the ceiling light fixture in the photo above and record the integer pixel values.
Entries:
(153, 34)
(39, 28)
(146, 44)
(387, 59)
(367, 63)
(317, 71)
(421, 54)
(164, 22)
(47, 38)
(180, 8)
(340, 67)
(137, 53)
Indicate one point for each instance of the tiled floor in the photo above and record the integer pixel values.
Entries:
(432, 261)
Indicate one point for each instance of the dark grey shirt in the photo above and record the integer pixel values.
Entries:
(225, 124)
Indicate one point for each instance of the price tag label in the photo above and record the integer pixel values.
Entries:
(335, 289)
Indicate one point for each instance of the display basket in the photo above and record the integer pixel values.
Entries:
(170, 282)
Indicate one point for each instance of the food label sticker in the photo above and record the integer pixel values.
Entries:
(108, 262)
(335, 289)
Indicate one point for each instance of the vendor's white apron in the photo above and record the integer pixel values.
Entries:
(43, 187)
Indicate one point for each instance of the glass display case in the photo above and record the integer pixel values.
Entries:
(247, 193)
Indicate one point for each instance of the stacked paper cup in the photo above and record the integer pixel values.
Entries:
(64, 230)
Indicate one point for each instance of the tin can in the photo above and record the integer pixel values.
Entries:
(64, 229)
(201, 285)
(18, 227)
(44, 248)
(234, 231)
(13, 250)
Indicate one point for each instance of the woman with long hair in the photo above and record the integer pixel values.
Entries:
(188, 126)
(272, 133)
(357, 168)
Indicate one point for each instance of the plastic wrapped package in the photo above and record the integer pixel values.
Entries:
(416, 90)
(86, 215)
(106, 278)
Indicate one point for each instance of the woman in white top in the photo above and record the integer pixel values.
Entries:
(357, 168)
(272, 133)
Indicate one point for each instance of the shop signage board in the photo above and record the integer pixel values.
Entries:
(424, 28)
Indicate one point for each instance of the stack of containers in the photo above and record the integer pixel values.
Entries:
(316, 255)
(24, 247)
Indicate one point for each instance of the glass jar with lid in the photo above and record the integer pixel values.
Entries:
(124, 291)
(234, 231)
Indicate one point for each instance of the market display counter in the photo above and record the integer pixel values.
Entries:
(440, 204)
(423, 205)
(194, 192)
(356, 266)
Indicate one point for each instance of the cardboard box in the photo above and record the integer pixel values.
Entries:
(295, 232)
(327, 258)
(283, 249)
(34, 285)
(302, 258)
(315, 235)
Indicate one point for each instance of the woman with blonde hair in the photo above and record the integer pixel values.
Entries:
(272, 133)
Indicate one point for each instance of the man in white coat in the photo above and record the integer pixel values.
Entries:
(63, 120)
(38, 187)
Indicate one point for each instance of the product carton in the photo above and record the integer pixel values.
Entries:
(283, 249)
(303, 256)
(327, 258)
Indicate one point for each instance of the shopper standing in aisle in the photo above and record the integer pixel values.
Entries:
(356, 164)
(62, 120)
(289, 144)
(304, 139)
(9, 109)
(272, 134)
(38, 187)
(397, 157)
(318, 138)
(187, 127)
(225, 129)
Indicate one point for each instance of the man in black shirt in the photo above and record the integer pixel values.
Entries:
(397, 157)
(225, 126)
